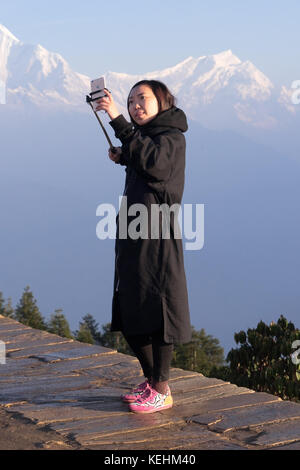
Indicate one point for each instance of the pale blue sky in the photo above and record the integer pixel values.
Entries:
(131, 36)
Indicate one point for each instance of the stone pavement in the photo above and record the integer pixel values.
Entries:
(74, 389)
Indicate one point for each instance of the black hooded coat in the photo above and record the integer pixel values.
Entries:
(150, 290)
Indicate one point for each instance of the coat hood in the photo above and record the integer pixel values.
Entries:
(172, 118)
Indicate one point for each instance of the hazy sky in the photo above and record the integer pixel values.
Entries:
(131, 36)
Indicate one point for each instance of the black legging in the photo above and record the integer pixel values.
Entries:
(153, 353)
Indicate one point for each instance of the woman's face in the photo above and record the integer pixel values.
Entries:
(142, 104)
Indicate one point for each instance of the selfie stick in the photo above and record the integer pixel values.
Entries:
(112, 148)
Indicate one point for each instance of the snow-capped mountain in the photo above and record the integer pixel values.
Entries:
(7, 40)
(213, 90)
(219, 91)
(34, 75)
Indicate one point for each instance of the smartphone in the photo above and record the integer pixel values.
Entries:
(97, 87)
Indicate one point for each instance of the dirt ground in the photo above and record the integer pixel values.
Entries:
(18, 433)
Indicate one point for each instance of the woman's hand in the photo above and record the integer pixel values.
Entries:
(108, 105)
(115, 157)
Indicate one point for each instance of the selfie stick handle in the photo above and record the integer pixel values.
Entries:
(112, 148)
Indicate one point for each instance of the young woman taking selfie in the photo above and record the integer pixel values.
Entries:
(150, 300)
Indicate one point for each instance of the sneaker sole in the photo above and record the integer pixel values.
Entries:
(161, 408)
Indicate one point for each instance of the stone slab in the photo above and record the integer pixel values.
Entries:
(31, 334)
(77, 396)
(122, 372)
(269, 435)
(40, 386)
(14, 368)
(27, 345)
(24, 370)
(206, 393)
(226, 399)
(175, 373)
(44, 414)
(13, 328)
(172, 437)
(184, 384)
(7, 320)
(217, 444)
(81, 365)
(80, 350)
(180, 444)
(60, 357)
(225, 421)
(64, 350)
(125, 423)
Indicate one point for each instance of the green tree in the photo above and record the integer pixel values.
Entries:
(59, 325)
(93, 327)
(88, 330)
(1, 303)
(84, 334)
(27, 311)
(114, 340)
(264, 361)
(7, 309)
(201, 354)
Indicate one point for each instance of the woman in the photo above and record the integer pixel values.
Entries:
(150, 301)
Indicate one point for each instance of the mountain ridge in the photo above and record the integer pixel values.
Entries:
(220, 91)
(200, 69)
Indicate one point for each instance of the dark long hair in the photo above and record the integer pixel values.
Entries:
(163, 95)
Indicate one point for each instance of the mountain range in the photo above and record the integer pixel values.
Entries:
(219, 91)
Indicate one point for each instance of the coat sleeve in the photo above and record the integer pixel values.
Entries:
(124, 130)
(152, 157)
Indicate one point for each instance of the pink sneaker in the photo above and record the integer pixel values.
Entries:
(135, 393)
(151, 401)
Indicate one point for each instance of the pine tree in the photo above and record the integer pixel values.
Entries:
(8, 310)
(88, 330)
(1, 304)
(27, 311)
(114, 340)
(59, 325)
(84, 334)
(93, 327)
(201, 354)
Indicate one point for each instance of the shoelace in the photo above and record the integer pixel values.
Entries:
(146, 395)
(142, 386)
